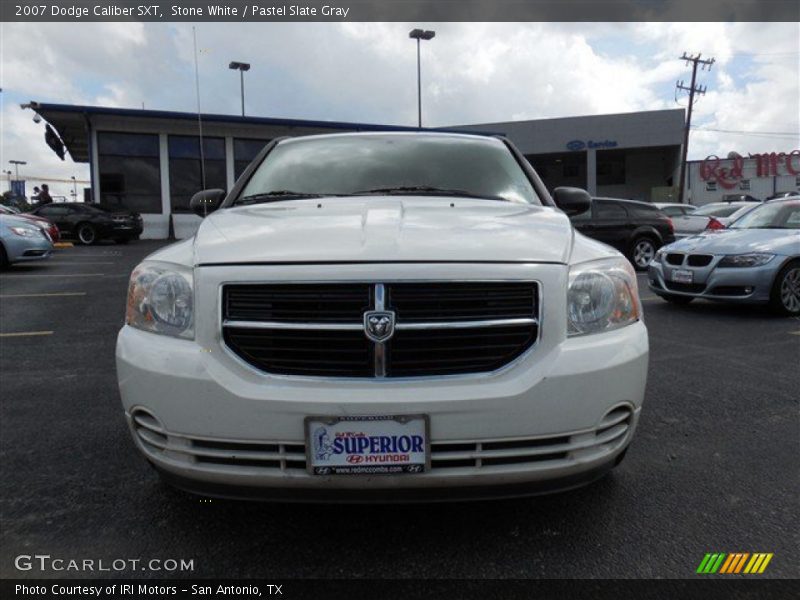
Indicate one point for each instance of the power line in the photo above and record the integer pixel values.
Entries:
(766, 134)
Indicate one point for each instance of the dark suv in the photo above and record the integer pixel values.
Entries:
(637, 229)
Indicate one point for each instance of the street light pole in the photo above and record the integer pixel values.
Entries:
(420, 34)
(16, 164)
(241, 67)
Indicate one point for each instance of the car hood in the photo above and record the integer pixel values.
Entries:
(381, 229)
(741, 241)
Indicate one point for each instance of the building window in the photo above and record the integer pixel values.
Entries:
(570, 170)
(244, 151)
(711, 186)
(744, 184)
(186, 171)
(611, 171)
(129, 170)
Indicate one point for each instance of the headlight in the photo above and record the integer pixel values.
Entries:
(161, 299)
(602, 295)
(25, 231)
(754, 259)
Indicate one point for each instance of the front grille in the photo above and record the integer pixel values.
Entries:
(274, 457)
(439, 329)
(303, 351)
(317, 303)
(457, 351)
(690, 288)
(699, 260)
(674, 258)
(430, 302)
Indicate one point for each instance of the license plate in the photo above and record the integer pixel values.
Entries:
(368, 445)
(681, 276)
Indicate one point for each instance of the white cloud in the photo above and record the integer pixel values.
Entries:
(472, 72)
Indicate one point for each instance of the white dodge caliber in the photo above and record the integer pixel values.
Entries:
(384, 316)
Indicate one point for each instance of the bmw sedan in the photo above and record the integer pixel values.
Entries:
(756, 261)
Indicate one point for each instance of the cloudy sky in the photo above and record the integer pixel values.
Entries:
(472, 72)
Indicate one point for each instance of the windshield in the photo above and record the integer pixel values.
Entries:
(778, 215)
(717, 210)
(384, 164)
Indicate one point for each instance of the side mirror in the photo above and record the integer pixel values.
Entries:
(572, 200)
(206, 201)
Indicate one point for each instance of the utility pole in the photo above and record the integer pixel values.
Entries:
(692, 89)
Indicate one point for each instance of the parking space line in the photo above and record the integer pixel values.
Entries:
(80, 262)
(43, 295)
(25, 334)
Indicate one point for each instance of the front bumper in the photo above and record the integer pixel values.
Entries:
(556, 420)
(743, 285)
(23, 249)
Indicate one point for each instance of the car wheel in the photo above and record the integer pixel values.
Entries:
(86, 234)
(677, 299)
(785, 297)
(4, 263)
(642, 252)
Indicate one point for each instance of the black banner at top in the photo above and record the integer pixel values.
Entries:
(400, 10)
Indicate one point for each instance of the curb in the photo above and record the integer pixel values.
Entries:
(63, 245)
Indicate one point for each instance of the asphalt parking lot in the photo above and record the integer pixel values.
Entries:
(714, 466)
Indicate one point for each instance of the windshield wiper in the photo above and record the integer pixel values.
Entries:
(426, 190)
(276, 195)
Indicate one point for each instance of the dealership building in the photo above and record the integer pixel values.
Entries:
(150, 160)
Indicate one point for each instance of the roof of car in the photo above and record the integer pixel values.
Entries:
(626, 201)
(379, 134)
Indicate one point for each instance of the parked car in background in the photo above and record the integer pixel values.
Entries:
(707, 217)
(739, 198)
(756, 260)
(675, 209)
(51, 227)
(740, 212)
(126, 219)
(85, 222)
(780, 195)
(637, 229)
(22, 240)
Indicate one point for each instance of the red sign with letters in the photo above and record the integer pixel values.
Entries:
(768, 164)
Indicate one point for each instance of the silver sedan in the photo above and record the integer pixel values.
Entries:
(755, 261)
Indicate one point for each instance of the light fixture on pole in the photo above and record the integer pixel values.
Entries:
(241, 67)
(420, 34)
(16, 164)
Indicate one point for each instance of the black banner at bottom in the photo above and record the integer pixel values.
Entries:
(326, 589)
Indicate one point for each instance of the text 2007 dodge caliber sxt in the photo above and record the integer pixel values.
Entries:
(384, 316)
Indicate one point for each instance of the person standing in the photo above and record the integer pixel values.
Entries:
(35, 196)
(44, 195)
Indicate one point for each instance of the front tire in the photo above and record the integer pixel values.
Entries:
(785, 296)
(87, 234)
(643, 250)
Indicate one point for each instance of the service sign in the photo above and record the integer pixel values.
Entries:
(369, 445)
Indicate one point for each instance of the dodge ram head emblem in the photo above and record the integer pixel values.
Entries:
(379, 325)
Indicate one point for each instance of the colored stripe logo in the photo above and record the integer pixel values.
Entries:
(734, 563)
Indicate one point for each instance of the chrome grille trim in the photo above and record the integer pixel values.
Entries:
(360, 326)
(487, 363)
